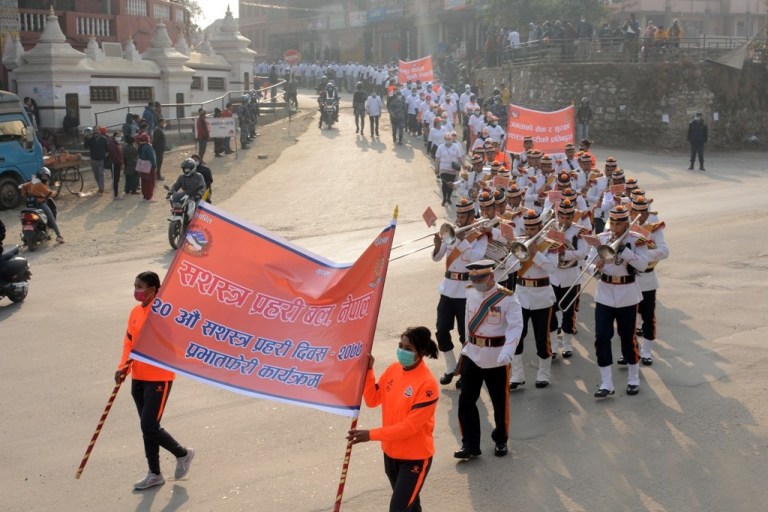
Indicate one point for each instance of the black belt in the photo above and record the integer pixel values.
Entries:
(617, 279)
(497, 341)
(457, 276)
(533, 283)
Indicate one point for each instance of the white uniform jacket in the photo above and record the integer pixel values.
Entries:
(504, 319)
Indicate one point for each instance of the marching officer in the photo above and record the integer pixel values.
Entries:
(465, 248)
(569, 258)
(616, 299)
(647, 279)
(536, 298)
(494, 323)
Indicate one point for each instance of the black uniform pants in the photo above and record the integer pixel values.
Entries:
(449, 309)
(412, 123)
(540, 319)
(497, 383)
(569, 315)
(407, 478)
(647, 310)
(625, 319)
(697, 149)
(374, 124)
(150, 399)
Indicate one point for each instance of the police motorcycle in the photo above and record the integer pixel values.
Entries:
(182, 208)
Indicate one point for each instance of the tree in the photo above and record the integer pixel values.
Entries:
(195, 11)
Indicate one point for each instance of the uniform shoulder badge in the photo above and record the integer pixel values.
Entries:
(505, 291)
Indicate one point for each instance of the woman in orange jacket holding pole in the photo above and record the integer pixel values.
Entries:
(150, 388)
(407, 392)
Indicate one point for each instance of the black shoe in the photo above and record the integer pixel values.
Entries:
(217, 155)
(701, 169)
(467, 453)
(602, 393)
(458, 383)
(542, 384)
(447, 378)
(500, 450)
(228, 152)
(161, 178)
(357, 129)
(647, 361)
(639, 332)
(513, 385)
(633, 389)
(622, 361)
(567, 354)
(691, 167)
(554, 356)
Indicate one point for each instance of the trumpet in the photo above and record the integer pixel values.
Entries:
(447, 233)
(604, 252)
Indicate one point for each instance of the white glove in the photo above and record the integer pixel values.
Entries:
(504, 359)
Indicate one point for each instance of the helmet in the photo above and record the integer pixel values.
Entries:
(87, 131)
(44, 174)
(359, 85)
(323, 78)
(188, 166)
(245, 98)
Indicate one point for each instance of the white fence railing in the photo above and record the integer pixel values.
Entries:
(86, 26)
(136, 7)
(32, 21)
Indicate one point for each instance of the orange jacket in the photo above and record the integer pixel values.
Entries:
(140, 371)
(408, 403)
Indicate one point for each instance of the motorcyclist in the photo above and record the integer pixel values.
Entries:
(190, 182)
(329, 94)
(37, 191)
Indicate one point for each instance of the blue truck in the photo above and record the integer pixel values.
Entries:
(21, 154)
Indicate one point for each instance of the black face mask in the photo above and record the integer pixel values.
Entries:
(44, 181)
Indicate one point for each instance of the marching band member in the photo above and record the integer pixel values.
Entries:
(494, 322)
(522, 157)
(609, 198)
(570, 163)
(597, 188)
(616, 300)
(581, 215)
(647, 279)
(465, 248)
(569, 258)
(536, 298)
(536, 181)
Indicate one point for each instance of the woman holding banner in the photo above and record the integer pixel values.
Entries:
(150, 388)
(407, 392)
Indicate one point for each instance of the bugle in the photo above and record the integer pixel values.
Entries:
(447, 233)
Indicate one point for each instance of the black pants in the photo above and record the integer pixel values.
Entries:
(540, 321)
(625, 319)
(569, 315)
(116, 179)
(397, 131)
(449, 309)
(647, 310)
(697, 149)
(407, 478)
(446, 180)
(360, 120)
(511, 282)
(412, 123)
(159, 158)
(497, 383)
(374, 122)
(599, 225)
(150, 399)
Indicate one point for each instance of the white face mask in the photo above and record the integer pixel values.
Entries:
(482, 286)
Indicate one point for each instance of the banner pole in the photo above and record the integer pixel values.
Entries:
(123, 374)
(344, 469)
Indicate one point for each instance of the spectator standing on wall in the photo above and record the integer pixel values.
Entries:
(698, 135)
(583, 116)
(631, 32)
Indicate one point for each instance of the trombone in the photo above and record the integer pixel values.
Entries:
(448, 234)
(605, 252)
(521, 250)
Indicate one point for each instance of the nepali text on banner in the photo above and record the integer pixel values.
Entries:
(420, 69)
(242, 309)
(551, 131)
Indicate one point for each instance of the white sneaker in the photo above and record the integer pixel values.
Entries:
(183, 464)
(151, 480)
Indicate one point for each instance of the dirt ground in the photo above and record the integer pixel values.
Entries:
(94, 224)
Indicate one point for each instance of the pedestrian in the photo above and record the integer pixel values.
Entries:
(96, 143)
(244, 120)
(147, 179)
(207, 177)
(397, 116)
(698, 135)
(202, 135)
(150, 387)
(407, 392)
(148, 116)
(129, 129)
(494, 322)
(116, 162)
(130, 157)
(160, 146)
(447, 165)
(583, 116)
(227, 112)
(358, 107)
(374, 106)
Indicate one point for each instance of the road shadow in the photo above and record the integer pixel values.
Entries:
(179, 497)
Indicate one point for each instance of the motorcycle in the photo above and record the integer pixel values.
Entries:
(329, 112)
(34, 225)
(14, 274)
(182, 210)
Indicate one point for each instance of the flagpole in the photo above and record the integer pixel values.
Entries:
(353, 426)
(123, 373)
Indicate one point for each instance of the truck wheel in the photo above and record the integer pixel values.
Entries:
(10, 197)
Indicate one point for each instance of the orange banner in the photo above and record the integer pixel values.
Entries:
(420, 69)
(551, 131)
(242, 309)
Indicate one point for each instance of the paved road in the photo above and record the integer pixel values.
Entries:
(694, 439)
